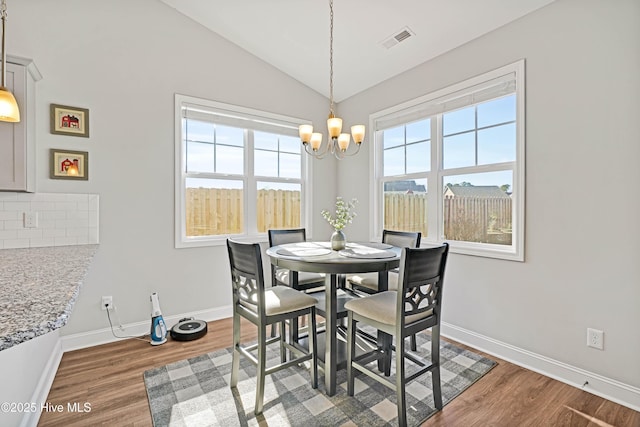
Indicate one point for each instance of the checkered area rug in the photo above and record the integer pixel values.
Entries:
(196, 392)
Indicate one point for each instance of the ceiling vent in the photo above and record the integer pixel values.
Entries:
(398, 37)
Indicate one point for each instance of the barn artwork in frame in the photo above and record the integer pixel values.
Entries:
(67, 120)
(67, 164)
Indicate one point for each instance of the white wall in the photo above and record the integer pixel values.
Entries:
(582, 145)
(124, 61)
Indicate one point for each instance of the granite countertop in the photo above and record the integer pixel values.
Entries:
(38, 289)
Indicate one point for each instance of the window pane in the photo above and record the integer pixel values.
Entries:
(459, 121)
(497, 144)
(419, 131)
(497, 111)
(199, 131)
(278, 205)
(394, 161)
(200, 157)
(266, 141)
(266, 163)
(230, 136)
(393, 137)
(459, 151)
(290, 165)
(418, 157)
(477, 207)
(229, 159)
(290, 144)
(213, 207)
(405, 205)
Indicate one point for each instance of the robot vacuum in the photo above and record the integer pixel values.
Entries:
(188, 329)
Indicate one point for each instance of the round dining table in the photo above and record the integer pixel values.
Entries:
(317, 257)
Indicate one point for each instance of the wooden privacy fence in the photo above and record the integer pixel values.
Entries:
(478, 219)
(473, 219)
(278, 209)
(405, 212)
(215, 211)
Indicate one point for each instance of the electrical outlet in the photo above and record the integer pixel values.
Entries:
(30, 219)
(595, 338)
(106, 302)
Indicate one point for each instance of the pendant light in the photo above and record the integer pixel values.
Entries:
(9, 111)
(338, 142)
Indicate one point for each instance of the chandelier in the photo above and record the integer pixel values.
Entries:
(338, 142)
(9, 111)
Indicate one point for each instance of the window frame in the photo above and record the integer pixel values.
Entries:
(423, 107)
(249, 179)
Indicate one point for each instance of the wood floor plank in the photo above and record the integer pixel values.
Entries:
(109, 378)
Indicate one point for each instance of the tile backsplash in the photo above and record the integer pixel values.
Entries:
(59, 219)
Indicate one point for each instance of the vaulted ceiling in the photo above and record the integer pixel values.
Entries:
(293, 35)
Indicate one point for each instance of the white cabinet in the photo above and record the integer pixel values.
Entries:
(17, 140)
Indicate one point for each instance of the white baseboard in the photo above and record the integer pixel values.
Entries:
(105, 335)
(604, 387)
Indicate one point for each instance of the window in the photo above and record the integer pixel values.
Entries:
(239, 172)
(451, 165)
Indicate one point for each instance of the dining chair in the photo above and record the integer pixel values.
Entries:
(414, 307)
(302, 281)
(368, 282)
(299, 280)
(264, 307)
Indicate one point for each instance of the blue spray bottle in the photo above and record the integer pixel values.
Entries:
(158, 327)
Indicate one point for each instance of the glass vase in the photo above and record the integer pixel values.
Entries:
(338, 240)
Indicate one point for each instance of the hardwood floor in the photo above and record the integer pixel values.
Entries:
(109, 378)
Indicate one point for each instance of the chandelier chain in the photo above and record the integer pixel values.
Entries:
(330, 57)
(3, 9)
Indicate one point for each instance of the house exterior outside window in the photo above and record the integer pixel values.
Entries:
(239, 172)
(451, 165)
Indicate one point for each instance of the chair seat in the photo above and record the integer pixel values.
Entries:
(281, 299)
(304, 278)
(382, 308)
(370, 280)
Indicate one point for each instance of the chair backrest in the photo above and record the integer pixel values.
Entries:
(247, 277)
(281, 237)
(402, 239)
(420, 284)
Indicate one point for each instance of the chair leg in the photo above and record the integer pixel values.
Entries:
(388, 355)
(351, 350)
(273, 329)
(414, 345)
(313, 346)
(283, 338)
(435, 360)
(400, 383)
(293, 334)
(235, 364)
(262, 361)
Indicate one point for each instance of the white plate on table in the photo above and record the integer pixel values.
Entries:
(364, 252)
(376, 245)
(303, 251)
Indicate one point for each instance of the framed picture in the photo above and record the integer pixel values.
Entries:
(67, 120)
(66, 164)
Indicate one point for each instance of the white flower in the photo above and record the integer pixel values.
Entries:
(344, 215)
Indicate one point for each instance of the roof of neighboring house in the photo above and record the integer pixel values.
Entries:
(409, 185)
(477, 191)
